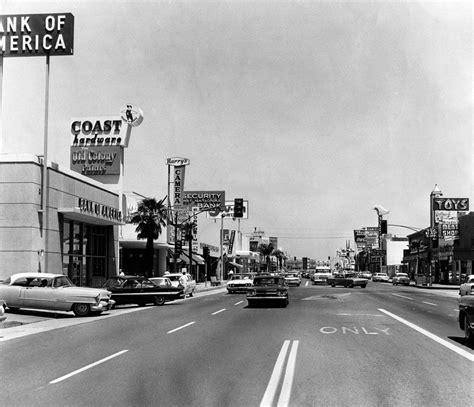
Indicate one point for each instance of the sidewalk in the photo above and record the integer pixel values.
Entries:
(438, 286)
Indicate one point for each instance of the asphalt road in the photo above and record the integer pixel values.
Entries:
(378, 346)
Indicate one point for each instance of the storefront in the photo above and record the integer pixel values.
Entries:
(75, 233)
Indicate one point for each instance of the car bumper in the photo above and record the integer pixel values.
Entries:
(268, 297)
(103, 306)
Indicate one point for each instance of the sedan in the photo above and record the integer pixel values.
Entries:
(53, 292)
(267, 288)
(401, 278)
(141, 291)
(383, 277)
(292, 279)
(467, 288)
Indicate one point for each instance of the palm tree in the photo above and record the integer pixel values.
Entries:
(280, 255)
(265, 250)
(150, 217)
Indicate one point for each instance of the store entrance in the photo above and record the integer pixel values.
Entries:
(84, 252)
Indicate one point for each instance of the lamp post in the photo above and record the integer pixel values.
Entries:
(381, 212)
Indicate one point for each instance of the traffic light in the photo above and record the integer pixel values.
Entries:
(238, 208)
(205, 252)
(383, 227)
(179, 247)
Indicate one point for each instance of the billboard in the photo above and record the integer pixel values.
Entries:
(204, 199)
(25, 35)
(96, 160)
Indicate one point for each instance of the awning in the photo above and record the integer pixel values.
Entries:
(185, 257)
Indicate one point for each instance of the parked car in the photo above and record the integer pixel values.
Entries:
(466, 317)
(383, 277)
(365, 274)
(141, 291)
(239, 283)
(401, 278)
(53, 292)
(190, 285)
(292, 279)
(347, 280)
(467, 288)
(268, 288)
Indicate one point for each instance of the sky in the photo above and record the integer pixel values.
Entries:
(313, 111)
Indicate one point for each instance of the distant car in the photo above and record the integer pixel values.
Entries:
(467, 288)
(268, 289)
(190, 285)
(292, 279)
(321, 275)
(466, 317)
(55, 292)
(141, 291)
(383, 277)
(365, 274)
(401, 278)
(347, 280)
(239, 283)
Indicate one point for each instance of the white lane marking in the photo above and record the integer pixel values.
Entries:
(403, 296)
(307, 283)
(181, 327)
(359, 315)
(269, 395)
(429, 303)
(237, 303)
(285, 393)
(217, 312)
(435, 338)
(60, 379)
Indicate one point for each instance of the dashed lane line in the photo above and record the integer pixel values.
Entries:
(181, 327)
(238, 303)
(217, 312)
(429, 303)
(403, 296)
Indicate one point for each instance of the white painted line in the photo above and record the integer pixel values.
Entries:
(285, 393)
(181, 327)
(60, 379)
(217, 312)
(307, 283)
(237, 303)
(429, 303)
(403, 296)
(435, 338)
(269, 395)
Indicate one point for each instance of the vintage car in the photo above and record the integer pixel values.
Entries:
(347, 280)
(365, 274)
(467, 288)
(292, 279)
(401, 278)
(239, 283)
(190, 285)
(267, 289)
(383, 277)
(141, 291)
(466, 317)
(55, 292)
(321, 275)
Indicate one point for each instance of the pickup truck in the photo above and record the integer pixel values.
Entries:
(347, 280)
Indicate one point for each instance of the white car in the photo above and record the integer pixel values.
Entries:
(239, 282)
(54, 292)
(190, 285)
(292, 279)
(383, 277)
(321, 275)
(467, 288)
(401, 278)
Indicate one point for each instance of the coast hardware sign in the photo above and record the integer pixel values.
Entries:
(97, 131)
(23, 35)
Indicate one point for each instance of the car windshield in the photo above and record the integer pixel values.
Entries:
(266, 281)
(62, 281)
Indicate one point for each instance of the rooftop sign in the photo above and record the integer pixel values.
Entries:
(36, 34)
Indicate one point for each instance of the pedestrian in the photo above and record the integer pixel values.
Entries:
(183, 281)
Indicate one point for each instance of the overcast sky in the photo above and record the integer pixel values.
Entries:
(312, 111)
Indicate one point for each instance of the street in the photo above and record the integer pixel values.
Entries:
(378, 346)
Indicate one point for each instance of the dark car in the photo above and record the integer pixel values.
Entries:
(268, 288)
(141, 291)
(466, 317)
(347, 280)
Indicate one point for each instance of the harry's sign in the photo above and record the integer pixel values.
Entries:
(36, 34)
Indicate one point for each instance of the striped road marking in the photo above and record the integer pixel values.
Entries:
(181, 327)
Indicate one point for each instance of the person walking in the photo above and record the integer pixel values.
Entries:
(183, 281)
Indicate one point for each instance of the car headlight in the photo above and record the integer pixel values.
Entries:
(281, 293)
(251, 293)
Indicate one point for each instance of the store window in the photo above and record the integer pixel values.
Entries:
(84, 251)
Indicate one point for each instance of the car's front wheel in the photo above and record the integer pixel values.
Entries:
(467, 331)
(81, 310)
(159, 300)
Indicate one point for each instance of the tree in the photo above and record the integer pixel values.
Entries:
(150, 218)
(265, 250)
(280, 255)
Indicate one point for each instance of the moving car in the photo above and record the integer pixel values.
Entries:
(466, 317)
(239, 282)
(292, 279)
(383, 277)
(268, 288)
(141, 291)
(321, 275)
(401, 278)
(347, 280)
(190, 285)
(365, 274)
(53, 292)
(467, 288)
